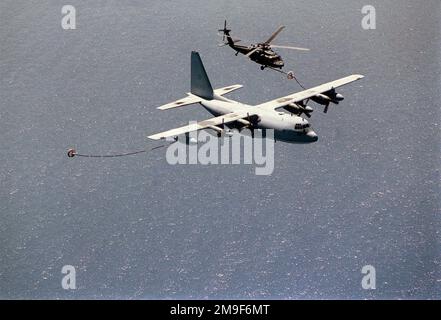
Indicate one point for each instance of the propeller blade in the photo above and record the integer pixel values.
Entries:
(288, 47)
(225, 26)
(274, 35)
(222, 35)
(224, 30)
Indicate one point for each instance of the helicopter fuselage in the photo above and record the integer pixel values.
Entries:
(265, 57)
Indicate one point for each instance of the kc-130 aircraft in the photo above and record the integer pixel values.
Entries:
(288, 127)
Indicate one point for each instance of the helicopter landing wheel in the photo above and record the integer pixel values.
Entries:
(262, 67)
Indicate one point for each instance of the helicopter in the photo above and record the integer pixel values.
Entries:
(262, 52)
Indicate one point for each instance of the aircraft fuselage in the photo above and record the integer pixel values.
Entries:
(287, 127)
(273, 60)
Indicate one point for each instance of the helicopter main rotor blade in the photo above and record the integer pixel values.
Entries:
(288, 47)
(249, 54)
(274, 35)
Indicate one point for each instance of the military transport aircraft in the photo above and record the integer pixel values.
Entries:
(289, 127)
(262, 52)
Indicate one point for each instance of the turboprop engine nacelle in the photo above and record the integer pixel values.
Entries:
(321, 99)
(339, 97)
(334, 96)
(298, 109)
(308, 109)
(327, 97)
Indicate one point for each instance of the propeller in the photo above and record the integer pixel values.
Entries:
(298, 108)
(306, 111)
(225, 31)
(323, 100)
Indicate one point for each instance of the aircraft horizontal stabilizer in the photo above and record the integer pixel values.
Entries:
(225, 90)
(190, 99)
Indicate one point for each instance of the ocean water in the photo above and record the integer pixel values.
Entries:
(367, 193)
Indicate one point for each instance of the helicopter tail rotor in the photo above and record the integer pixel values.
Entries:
(226, 32)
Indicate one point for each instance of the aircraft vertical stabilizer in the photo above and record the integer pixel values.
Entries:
(200, 84)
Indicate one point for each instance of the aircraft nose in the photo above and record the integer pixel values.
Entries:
(312, 136)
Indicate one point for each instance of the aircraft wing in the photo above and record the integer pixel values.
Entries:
(302, 95)
(209, 123)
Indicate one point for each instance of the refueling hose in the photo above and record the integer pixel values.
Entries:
(72, 153)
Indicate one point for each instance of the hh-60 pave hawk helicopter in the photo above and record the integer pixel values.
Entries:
(262, 52)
